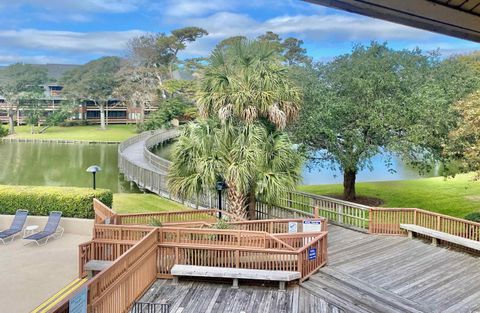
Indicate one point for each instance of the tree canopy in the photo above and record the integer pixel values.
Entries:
(376, 99)
(95, 81)
(21, 81)
(247, 81)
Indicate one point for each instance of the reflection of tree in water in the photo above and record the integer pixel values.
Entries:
(58, 164)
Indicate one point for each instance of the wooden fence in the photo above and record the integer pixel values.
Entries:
(210, 215)
(116, 288)
(387, 221)
(298, 204)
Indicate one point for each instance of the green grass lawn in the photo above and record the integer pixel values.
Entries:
(143, 203)
(91, 132)
(453, 196)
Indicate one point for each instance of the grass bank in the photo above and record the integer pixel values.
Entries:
(91, 132)
(453, 196)
(142, 203)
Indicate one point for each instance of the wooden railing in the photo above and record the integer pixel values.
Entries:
(120, 233)
(103, 214)
(240, 256)
(387, 221)
(116, 288)
(274, 226)
(210, 215)
(218, 237)
(103, 250)
(297, 204)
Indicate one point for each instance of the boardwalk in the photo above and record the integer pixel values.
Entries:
(366, 273)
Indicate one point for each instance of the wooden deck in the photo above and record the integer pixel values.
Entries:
(189, 296)
(365, 273)
(371, 273)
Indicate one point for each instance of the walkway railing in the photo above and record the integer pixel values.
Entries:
(155, 140)
(293, 205)
(387, 221)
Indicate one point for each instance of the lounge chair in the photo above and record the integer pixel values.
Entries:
(51, 230)
(15, 228)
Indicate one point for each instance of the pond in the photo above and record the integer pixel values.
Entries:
(48, 164)
(316, 175)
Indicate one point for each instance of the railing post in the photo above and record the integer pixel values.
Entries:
(340, 213)
(315, 212)
(415, 217)
(438, 223)
(372, 221)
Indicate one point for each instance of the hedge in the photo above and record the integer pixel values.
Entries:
(72, 201)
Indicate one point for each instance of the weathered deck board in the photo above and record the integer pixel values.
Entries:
(371, 271)
(365, 273)
(209, 297)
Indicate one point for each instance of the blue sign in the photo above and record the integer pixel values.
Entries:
(312, 254)
(78, 303)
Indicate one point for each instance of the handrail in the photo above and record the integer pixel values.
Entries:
(103, 214)
(387, 221)
(154, 140)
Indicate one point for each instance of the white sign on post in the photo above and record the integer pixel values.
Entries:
(292, 227)
(312, 226)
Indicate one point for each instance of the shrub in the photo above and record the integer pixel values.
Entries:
(221, 224)
(155, 222)
(3, 131)
(175, 107)
(474, 216)
(72, 201)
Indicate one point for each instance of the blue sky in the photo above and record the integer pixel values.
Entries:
(76, 31)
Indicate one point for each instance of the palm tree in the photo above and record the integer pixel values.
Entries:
(246, 80)
(250, 159)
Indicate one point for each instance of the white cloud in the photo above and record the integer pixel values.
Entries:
(312, 28)
(193, 8)
(111, 6)
(66, 41)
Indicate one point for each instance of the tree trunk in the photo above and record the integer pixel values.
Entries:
(236, 201)
(251, 206)
(349, 177)
(102, 116)
(11, 124)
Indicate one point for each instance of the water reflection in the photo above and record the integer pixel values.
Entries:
(315, 174)
(60, 165)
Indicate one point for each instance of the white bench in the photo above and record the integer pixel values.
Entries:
(234, 273)
(438, 235)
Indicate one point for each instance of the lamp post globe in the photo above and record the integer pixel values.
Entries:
(94, 169)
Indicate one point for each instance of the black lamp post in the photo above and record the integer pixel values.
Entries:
(94, 169)
(220, 186)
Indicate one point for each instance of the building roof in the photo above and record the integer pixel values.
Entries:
(457, 18)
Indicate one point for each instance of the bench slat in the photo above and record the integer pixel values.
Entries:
(442, 236)
(235, 273)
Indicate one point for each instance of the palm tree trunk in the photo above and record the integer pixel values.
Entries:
(251, 206)
(236, 201)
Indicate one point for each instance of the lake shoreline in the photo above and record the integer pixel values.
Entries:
(59, 141)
